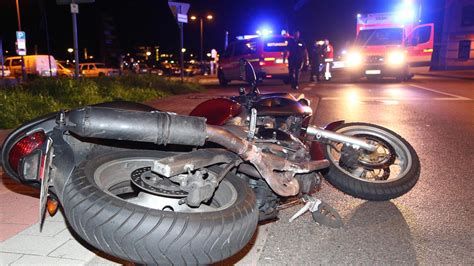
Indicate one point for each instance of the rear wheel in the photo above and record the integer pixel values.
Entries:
(388, 172)
(107, 210)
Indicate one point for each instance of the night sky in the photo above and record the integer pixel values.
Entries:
(150, 22)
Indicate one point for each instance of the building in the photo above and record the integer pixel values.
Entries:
(457, 40)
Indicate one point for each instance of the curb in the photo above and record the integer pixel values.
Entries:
(444, 76)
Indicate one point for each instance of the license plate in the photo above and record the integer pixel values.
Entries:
(373, 72)
(44, 176)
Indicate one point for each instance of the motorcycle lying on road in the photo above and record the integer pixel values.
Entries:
(159, 188)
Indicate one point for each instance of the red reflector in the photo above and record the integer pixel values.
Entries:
(24, 147)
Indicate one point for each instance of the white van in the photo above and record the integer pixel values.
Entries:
(35, 65)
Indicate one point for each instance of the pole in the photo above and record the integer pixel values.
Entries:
(45, 17)
(181, 53)
(1, 59)
(23, 70)
(76, 46)
(226, 42)
(202, 30)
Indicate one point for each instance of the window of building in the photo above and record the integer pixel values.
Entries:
(467, 16)
(464, 50)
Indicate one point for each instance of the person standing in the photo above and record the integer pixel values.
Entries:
(298, 55)
(316, 60)
(328, 59)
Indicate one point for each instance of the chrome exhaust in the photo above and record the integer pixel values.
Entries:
(356, 143)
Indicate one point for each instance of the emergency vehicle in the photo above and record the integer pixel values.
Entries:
(387, 45)
(267, 54)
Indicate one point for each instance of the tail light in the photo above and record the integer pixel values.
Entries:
(24, 147)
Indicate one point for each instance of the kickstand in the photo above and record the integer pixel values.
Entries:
(322, 212)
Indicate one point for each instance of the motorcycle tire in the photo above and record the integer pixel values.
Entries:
(148, 235)
(375, 190)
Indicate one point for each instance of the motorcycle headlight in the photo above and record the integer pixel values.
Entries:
(354, 59)
(396, 58)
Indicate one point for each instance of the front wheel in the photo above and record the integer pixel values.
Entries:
(388, 172)
(107, 210)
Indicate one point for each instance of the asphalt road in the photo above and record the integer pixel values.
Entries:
(433, 223)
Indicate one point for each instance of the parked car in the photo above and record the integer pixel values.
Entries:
(143, 69)
(6, 71)
(64, 71)
(156, 71)
(35, 65)
(191, 70)
(97, 70)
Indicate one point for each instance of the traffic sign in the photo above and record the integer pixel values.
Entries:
(74, 8)
(182, 18)
(20, 35)
(20, 43)
(180, 12)
(179, 8)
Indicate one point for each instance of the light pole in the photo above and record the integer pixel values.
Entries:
(201, 22)
(23, 70)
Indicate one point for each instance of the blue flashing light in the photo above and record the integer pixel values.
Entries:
(406, 15)
(359, 15)
(264, 32)
(406, 12)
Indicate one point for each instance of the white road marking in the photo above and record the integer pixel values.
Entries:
(396, 99)
(307, 89)
(312, 84)
(440, 92)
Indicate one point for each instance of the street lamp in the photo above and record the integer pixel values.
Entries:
(201, 22)
(70, 50)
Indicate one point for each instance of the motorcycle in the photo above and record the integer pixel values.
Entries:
(153, 187)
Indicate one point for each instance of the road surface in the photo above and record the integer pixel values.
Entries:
(432, 224)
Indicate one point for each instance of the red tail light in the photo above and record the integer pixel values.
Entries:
(24, 147)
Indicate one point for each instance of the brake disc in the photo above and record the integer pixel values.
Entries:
(151, 182)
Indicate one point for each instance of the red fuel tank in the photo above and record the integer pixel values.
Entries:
(217, 111)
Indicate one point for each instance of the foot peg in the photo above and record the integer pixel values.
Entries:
(322, 212)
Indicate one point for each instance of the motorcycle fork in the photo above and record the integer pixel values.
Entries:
(356, 143)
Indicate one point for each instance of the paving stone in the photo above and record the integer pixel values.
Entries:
(64, 235)
(31, 245)
(73, 250)
(42, 260)
(98, 260)
(50, 229)
(8, 258)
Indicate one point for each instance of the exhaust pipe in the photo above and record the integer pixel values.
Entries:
(154, 127)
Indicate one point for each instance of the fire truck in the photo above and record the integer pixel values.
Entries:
(388, 45)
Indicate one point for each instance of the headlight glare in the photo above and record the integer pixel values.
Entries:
(396, 58)
(354, 59)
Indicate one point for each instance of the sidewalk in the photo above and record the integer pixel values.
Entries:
(467, 74)
(203, 80)
(22, 243)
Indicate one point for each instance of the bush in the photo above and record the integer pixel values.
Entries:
(41, 96)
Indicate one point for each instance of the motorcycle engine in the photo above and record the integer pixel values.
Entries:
(277, 135)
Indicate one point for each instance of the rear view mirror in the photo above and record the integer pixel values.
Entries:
(247, 72)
